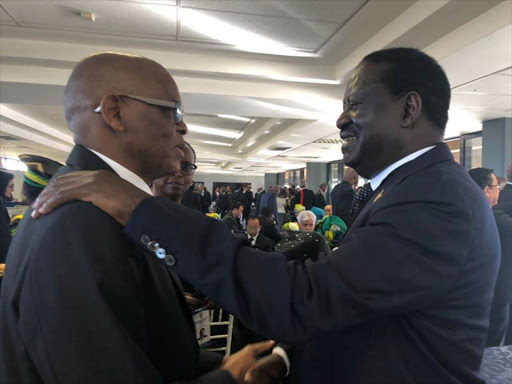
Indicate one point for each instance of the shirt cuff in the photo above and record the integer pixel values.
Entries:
(282, 353)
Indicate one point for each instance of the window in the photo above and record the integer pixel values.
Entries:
(471, 150)
(13, 164)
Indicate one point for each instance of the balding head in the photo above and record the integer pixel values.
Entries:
(140, 136)
(351, 176)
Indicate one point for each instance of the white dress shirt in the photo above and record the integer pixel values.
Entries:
(379, 178)
(253, 243)
(124, 173)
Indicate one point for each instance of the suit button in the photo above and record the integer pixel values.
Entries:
(170, 260)
(153, 246)
(145, 239)
(160, 253)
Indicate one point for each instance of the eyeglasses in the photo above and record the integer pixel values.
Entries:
(175, 106)
(188, 169)
(496, 185)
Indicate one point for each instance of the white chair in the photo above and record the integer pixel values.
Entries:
(217, 321)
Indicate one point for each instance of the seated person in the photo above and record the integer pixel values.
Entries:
(256, 239)
(331, 227)
(268, 225)
(328, 210)
(232, 218)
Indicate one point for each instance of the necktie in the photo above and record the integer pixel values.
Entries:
(362, 196)
(251, 240)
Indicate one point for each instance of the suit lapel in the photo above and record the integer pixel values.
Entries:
(439, 153)
(82, 158)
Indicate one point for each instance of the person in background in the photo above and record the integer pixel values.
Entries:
(206, 198)
(505, 199)
(248, 200)
(191, 199)
(215, 194)
(342, 195)
(304, 196)
(320, 200)
(268, 226)
(328, 210)
(257, 198)
(269, 200)
(224, 201)
(282, 204)
(500, 309)
(256, 239)
(175, 186)
(233, 217)
(306, 220)
(6, 191)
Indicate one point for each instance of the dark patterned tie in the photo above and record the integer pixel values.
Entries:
(251, 239)
(362, 196)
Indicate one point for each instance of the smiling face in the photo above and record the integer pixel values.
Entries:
(370, 124)
(175, 185)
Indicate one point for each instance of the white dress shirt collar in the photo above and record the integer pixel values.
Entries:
(124, 173)
(253, 237)
(379, 178)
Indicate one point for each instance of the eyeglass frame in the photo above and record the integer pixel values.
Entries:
(176, 106)
(193, 166)
(495, 185)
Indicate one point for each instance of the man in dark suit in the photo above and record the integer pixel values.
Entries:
(256, 239)
(304, 196)
(505, 199)
(320, 196)
(342, 195)
(80, 302)
(268, 226)
(257, 198)
(407, 295)
(249, 199)
(500, 309)
(269, 200)
(232, 218)
(206, 198)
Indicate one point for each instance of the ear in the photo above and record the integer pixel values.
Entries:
(412, 106)
(111, 106)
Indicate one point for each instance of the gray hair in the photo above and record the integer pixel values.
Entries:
(304, 215)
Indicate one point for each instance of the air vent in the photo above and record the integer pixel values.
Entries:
(237, 168)
(279, 148)
(9, 138)
(328, 141)
(12, 146)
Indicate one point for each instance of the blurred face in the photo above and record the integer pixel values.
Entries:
(253, 227)
(307, 225)
(238, 212)
(9, 189)
(152, 135)
(328, 210)
(370, 123)
(492, 191)
(175, 185)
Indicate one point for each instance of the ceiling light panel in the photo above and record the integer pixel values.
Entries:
(280, 36)
(214, 131)
(139, 19)
(233, 117)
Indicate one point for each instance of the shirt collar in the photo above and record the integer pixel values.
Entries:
(253, 237)
(379, 178)
(124, 173)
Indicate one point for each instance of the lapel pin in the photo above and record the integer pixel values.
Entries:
(381, 193)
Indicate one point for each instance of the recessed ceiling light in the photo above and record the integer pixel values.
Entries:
(214, 131)
(251, 143)
(233, 117)
(215, 143)
(240, 151)
(266, 132)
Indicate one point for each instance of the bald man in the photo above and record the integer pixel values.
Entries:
(80, 302)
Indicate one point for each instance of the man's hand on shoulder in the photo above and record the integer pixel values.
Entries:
(107, 191)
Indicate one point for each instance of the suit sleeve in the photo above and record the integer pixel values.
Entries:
(382, 268)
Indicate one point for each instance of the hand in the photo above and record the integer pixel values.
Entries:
(239, 363)
(270, 369)
(194, 303)
(104, 189)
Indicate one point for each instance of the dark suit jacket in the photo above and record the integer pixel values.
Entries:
(308, 200)
(342, 199)
(232, 222)
(503, 290)
(263, 243)
(405, 299)
(320, 200)
(82, 304)
(192, 200)
(269, 230)
(505, 200)
(206, 201)
(224, 203)
(5, 233)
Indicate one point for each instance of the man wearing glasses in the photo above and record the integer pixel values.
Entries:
(500, 308)
(80, 302)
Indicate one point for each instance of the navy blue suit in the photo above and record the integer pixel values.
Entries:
(405, 299)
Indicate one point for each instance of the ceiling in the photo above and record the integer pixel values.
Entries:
(276, 68)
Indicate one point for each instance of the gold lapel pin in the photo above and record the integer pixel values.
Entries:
(381, 193)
